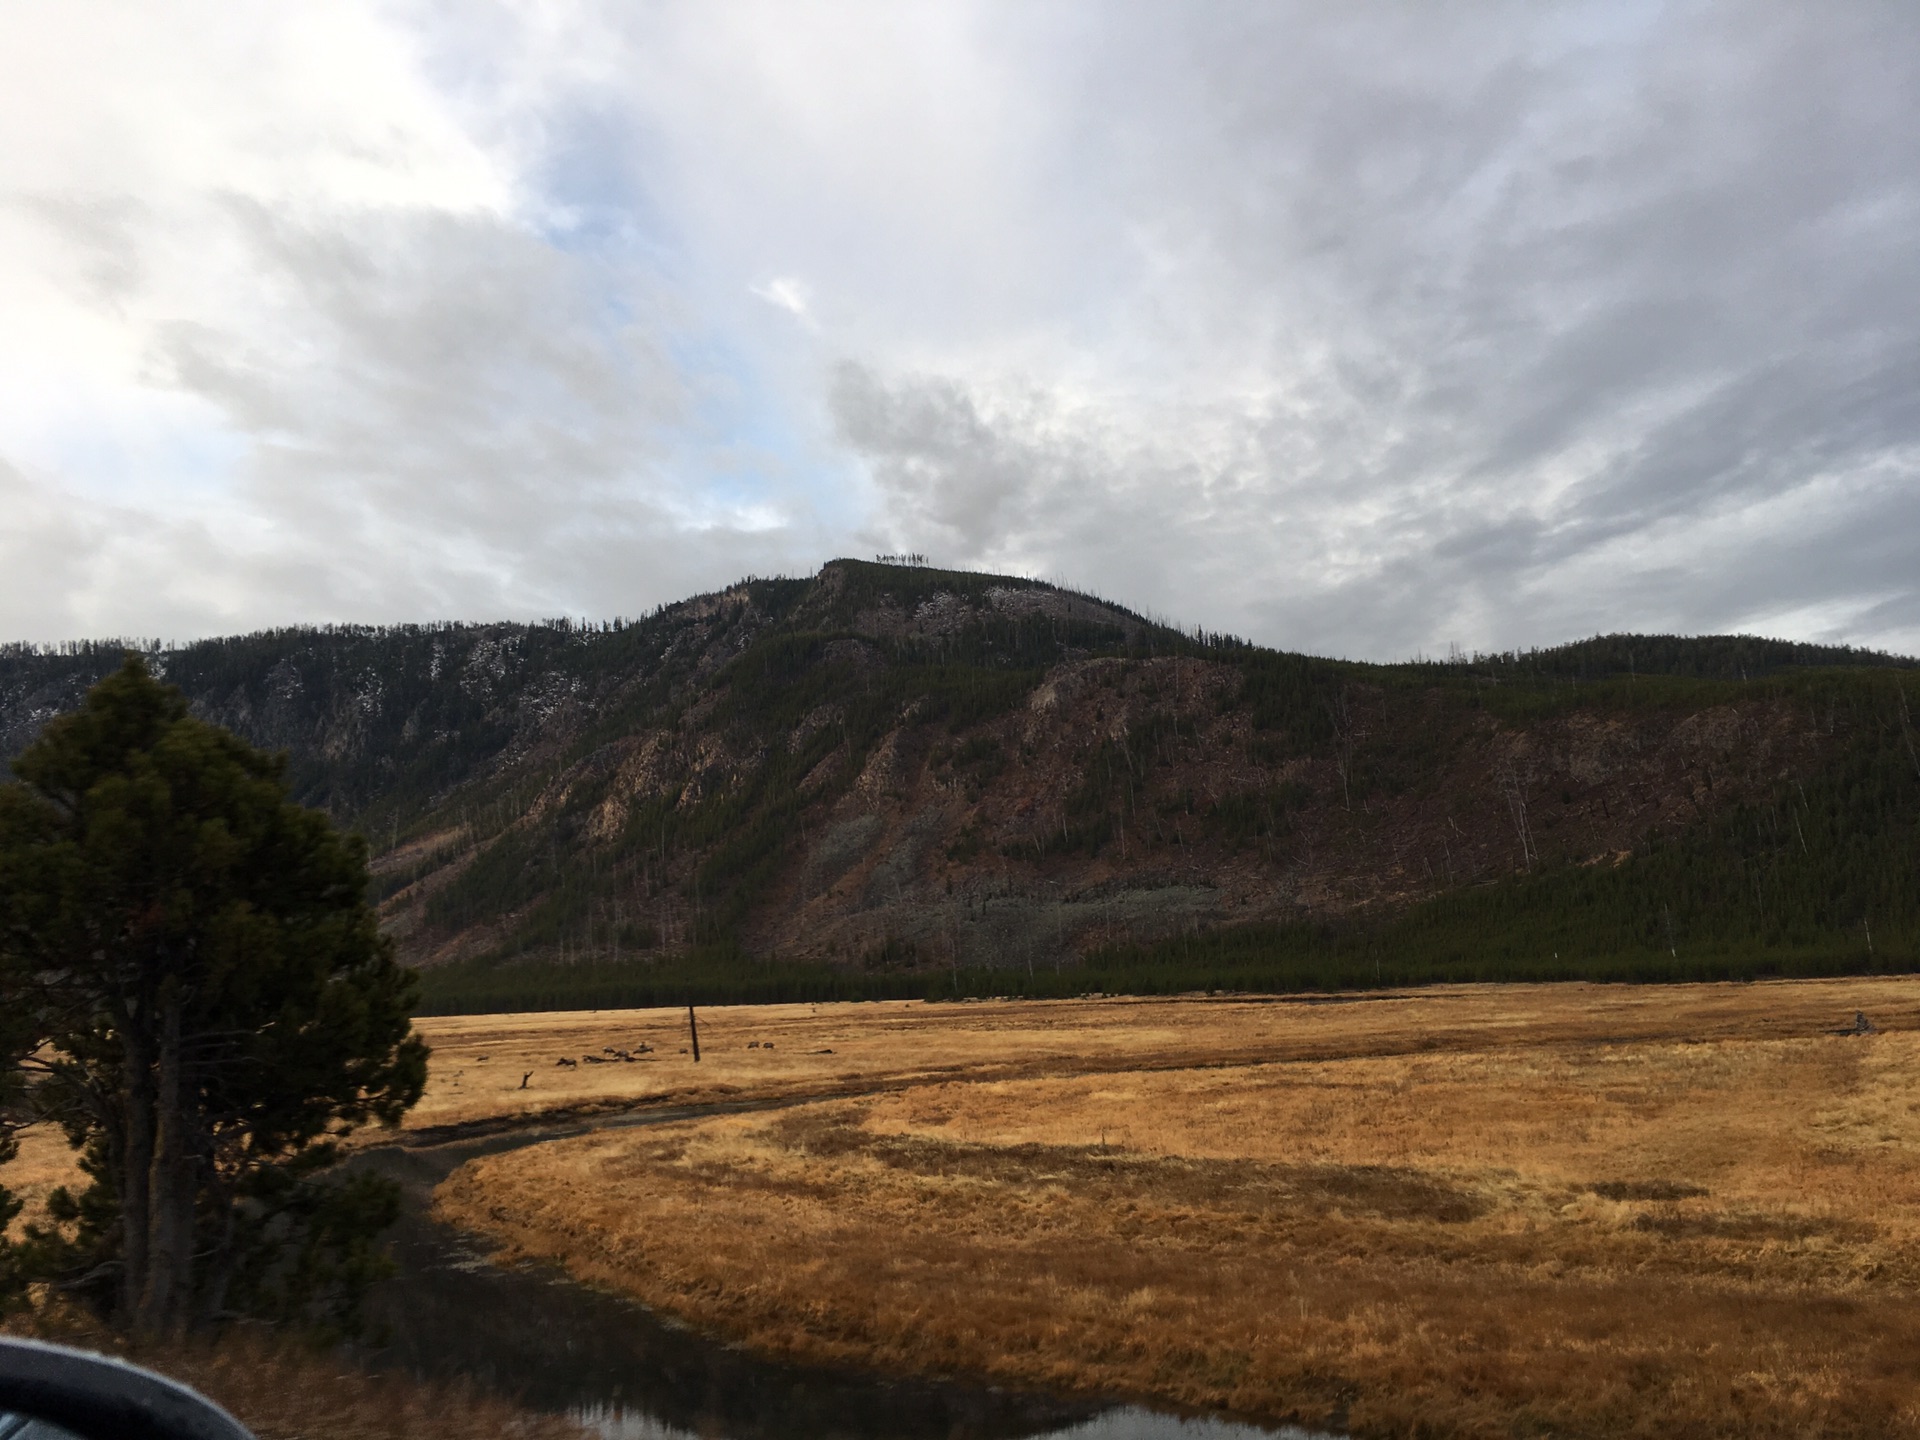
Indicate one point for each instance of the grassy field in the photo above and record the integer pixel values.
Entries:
(767, 1051)
(1569, 1210)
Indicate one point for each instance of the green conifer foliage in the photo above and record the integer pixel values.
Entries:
(196, 954)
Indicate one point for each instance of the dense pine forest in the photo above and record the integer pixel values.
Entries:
(892, 780)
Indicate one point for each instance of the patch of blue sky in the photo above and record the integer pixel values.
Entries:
(592, 198)
(746, 443)
(746, 451)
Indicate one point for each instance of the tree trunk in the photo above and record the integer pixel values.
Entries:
(220, 1274)
(136, 1163)
(170, 1190)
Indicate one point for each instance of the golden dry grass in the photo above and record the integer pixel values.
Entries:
(479, 1060)
(1569, 1210)
(43, 1163)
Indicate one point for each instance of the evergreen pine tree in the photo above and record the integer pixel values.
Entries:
(216, 1004)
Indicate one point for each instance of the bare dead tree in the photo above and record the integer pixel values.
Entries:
(1340, 711)
(1507, 779)
(1906, 727)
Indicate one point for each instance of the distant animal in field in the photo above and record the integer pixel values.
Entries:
(766, 1045)
(1862, 1025)
(753, 1044)
(525, 1078)
(568, 1061)
(823, 1052)
(596, 1059)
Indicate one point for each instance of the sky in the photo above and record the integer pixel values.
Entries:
(1369, 329)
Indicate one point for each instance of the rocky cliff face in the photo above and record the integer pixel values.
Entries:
(383, 724)
(903, 768)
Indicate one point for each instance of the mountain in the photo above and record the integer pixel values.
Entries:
(885, 778)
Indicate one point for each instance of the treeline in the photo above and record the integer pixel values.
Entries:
(1224, 962)
(692, 978)
(1819, 879)
(1702, 657)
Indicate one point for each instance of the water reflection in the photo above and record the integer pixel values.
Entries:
(1126, 1422)
(1131, 1423)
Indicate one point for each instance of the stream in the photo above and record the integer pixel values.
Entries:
(535, 1336)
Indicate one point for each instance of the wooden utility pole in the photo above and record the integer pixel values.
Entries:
(693, 1029)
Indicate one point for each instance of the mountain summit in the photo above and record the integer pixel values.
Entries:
(891, 771)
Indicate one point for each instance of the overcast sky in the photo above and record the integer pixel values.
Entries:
(1358, 329)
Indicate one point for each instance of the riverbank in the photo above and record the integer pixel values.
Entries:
(529, 1333)
(1571, 1210)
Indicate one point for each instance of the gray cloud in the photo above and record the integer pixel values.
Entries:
(1550, 332)
(453, 376)
(1363, 329)
(945, 471)
(438, 415)
(101, 237)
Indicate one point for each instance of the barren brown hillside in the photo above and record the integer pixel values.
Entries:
(1088, 801)
(885, 769)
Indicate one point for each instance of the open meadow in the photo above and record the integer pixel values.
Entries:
(1575, 1210)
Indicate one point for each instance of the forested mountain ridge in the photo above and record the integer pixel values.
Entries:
(884, 772)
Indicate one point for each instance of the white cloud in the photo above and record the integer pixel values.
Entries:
(290, 343)
(788, 294)
(1361, 329)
